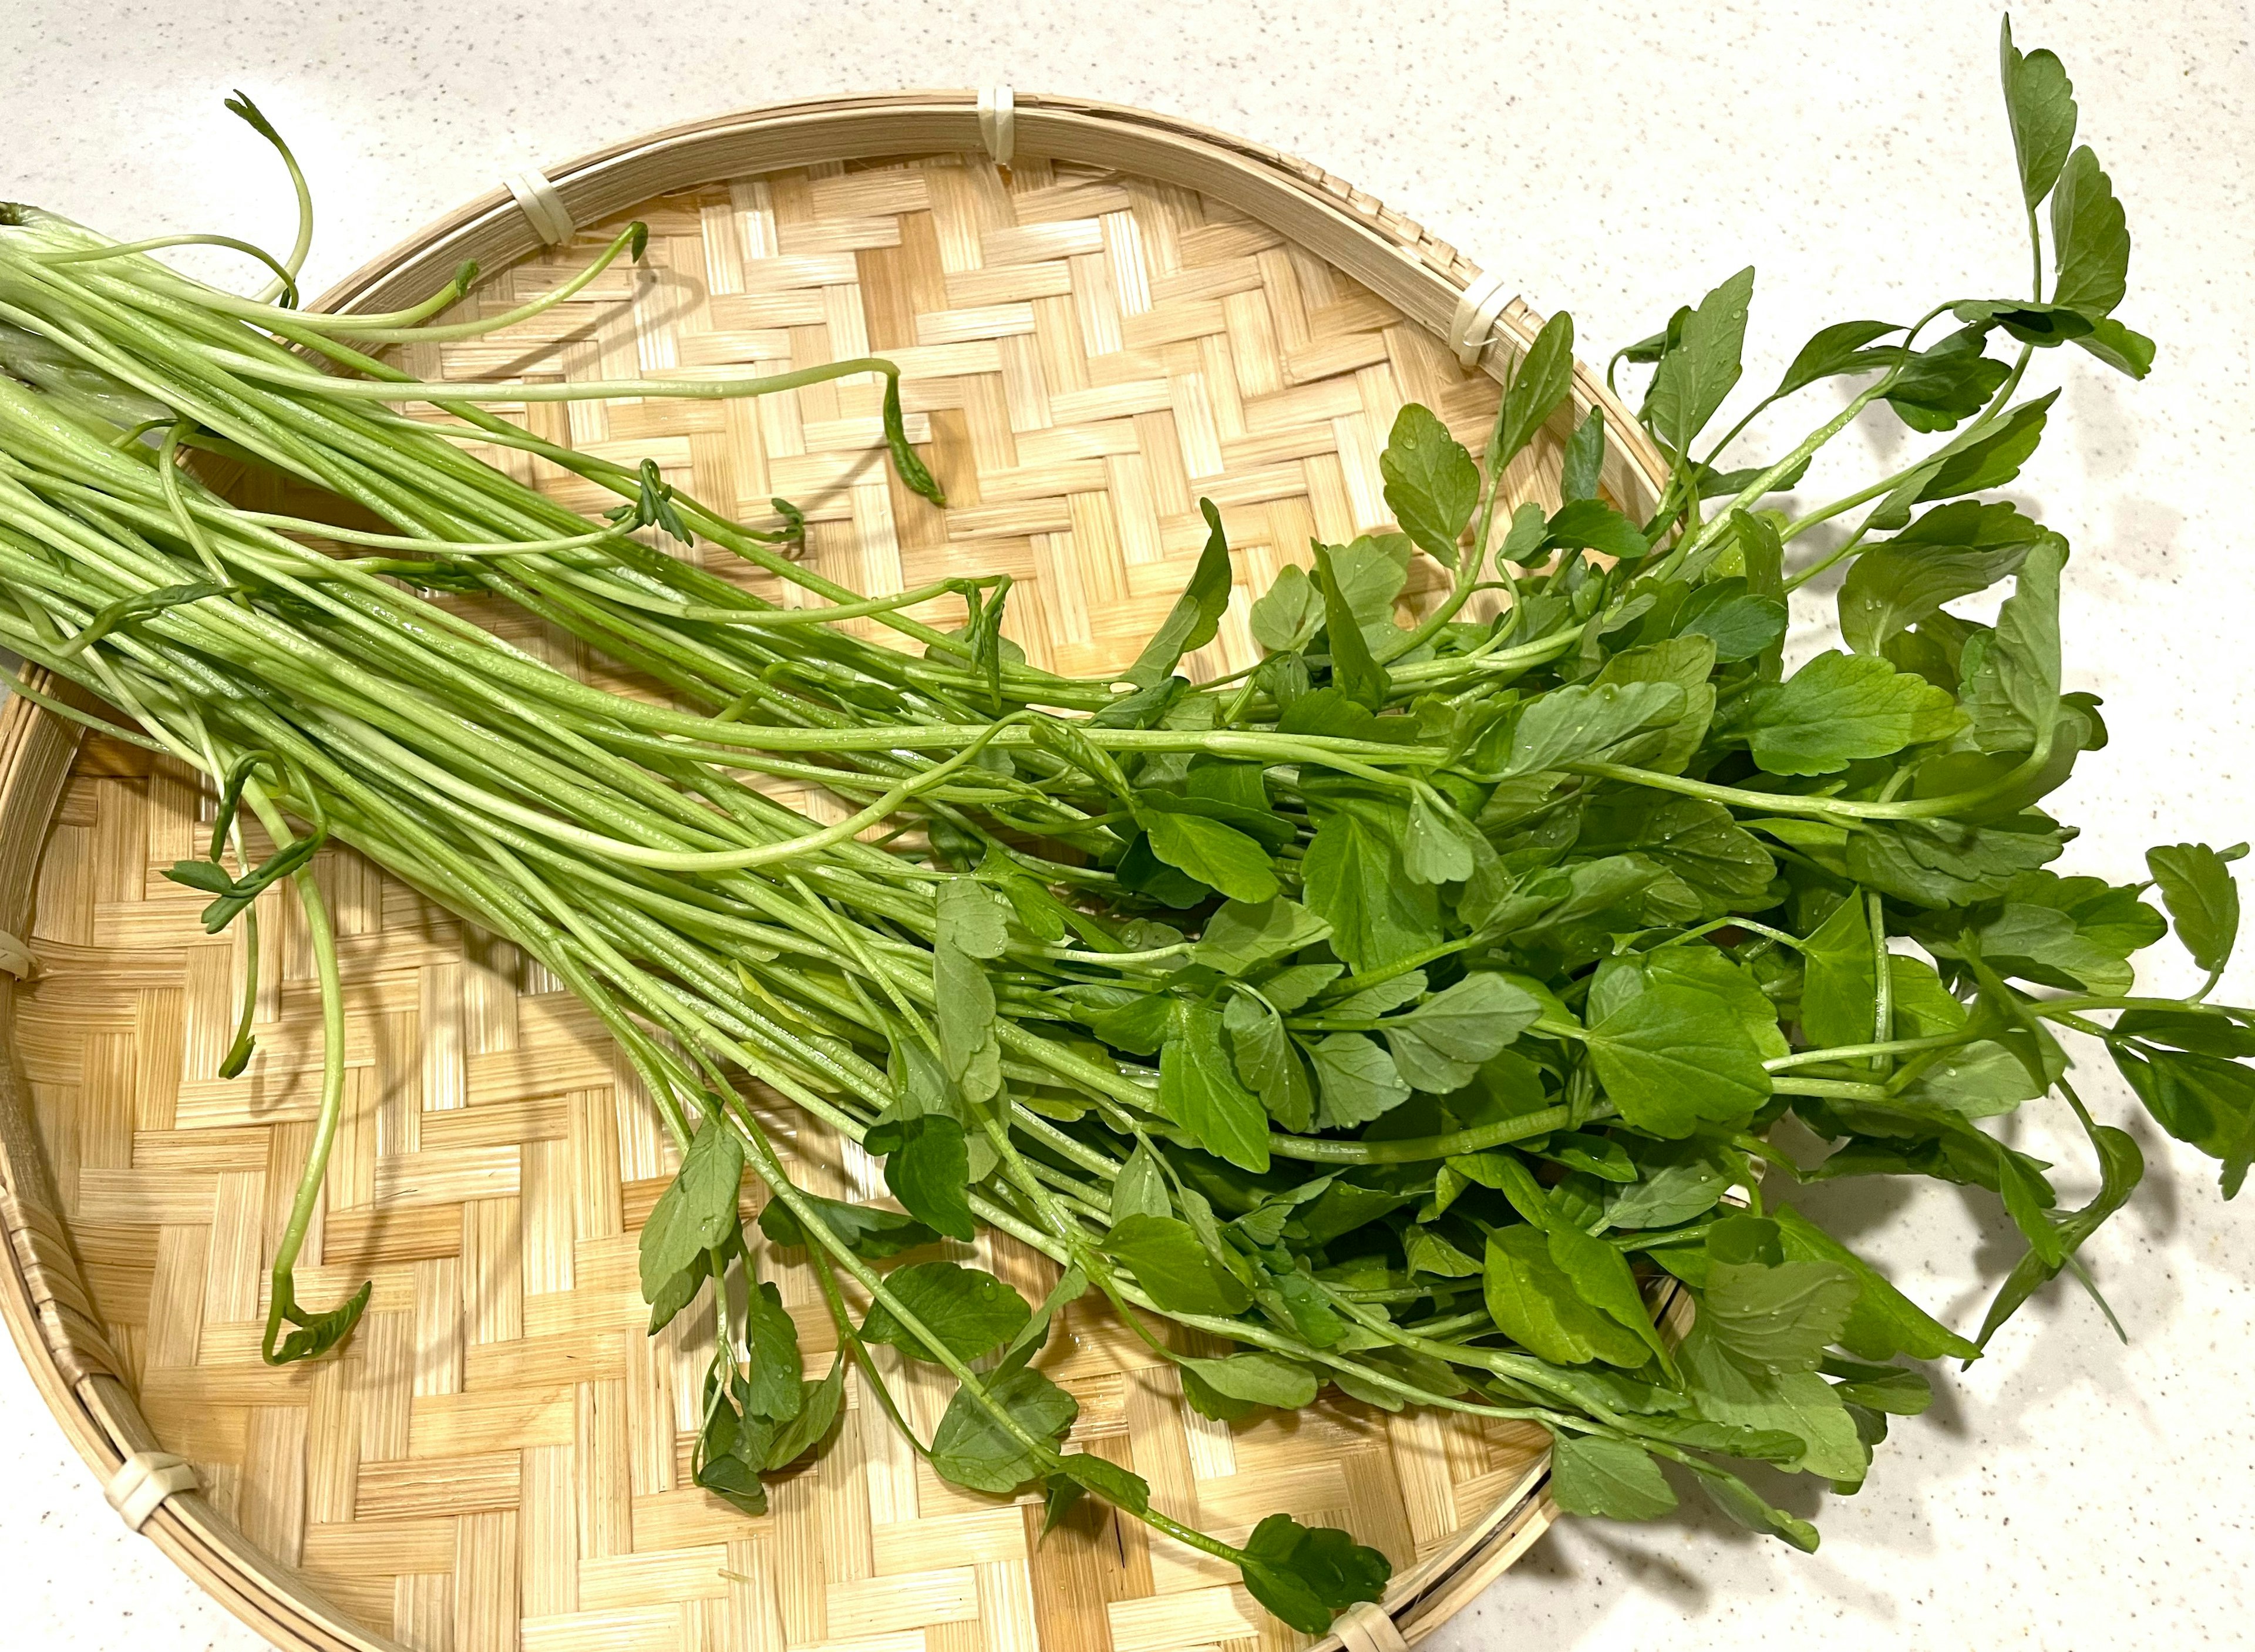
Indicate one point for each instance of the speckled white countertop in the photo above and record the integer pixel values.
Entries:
(1616, 158)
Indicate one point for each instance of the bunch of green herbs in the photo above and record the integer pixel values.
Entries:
(1412, 1013)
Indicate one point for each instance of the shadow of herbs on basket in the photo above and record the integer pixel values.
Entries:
(1409, 1012)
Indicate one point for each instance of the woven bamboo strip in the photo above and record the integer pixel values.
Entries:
(498, 1459)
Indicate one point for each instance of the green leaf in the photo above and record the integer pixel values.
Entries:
(1198, 1089)
(1941, 863)
(1440, 1044)
(1600, 1276)
(1109, 1480)
(1383, 998)
(2025, 320)
(1613, 1479)
(1953, 550)
(1674, 1058)
(1581, 723)
(2012, 683)
(1351, 879)
(1216, 854)
(1527, 540)
(1141, 1187)
(1742, 1503)
(905, 461)
(2203, 1100)
(1685, 661)
(869, 1231)
(1267, 1062)
(1739, 623)
(972, 1450)
(1583, 464)
(818, 1406)
(1190, 624)
(1509, 1174)
(1884, 1322)
(1288, 615)
(1426, 1251)
(730, 1478)
(1988, 459)
(1600, 1156)
(1840, 985)
(970, 917)
(1837, 349)
(1680, 1181)
(772, 1385)
(1239, 786)
(1371, 571)
(1536, 1304)
(208, 877)
(2203, 898)
(1542, 379)
(1257, 1378)
(1694, 377)
(1840, 708)
(1327, 711)
(316, 1333)
(1071, 1286)
(1591, 525)
(2091, 240)
(1305, 1576)
(2121, 1166)
(971, 1312)
(2120, 347)
(679, 1291)
(1943, 386)
(1432, 485)
(1138, 1024)
(1800, 1403)
(1208, 1402)
(928, 1169)
(1355, 673)
(1440, 845)
(1777, 1319)
(2064, 932)
(1708, 970)
(971, 925)
(1239, 937)
(2039, 102)
(1977, 1080)
(1174, 1268)
(2205, 1030)
(1067, 741)
(1895, 1389)
(1356, 1081)
(697, 1213)
(1699, 841)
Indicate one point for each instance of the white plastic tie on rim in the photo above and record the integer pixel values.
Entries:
(144, 1481)
(998, 123)
(16, 957)
(1473, 325)
(1364, 1627)
(543, 208)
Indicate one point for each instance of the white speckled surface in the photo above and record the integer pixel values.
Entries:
(1617, 158)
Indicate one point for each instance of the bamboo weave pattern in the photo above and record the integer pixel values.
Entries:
(499, 1460)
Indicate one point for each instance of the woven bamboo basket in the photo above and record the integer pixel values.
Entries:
(1131, 314)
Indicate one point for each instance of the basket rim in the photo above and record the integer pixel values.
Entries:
(41, 1299)
(571, 179)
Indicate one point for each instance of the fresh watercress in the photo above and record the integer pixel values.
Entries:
(1409, 1015)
